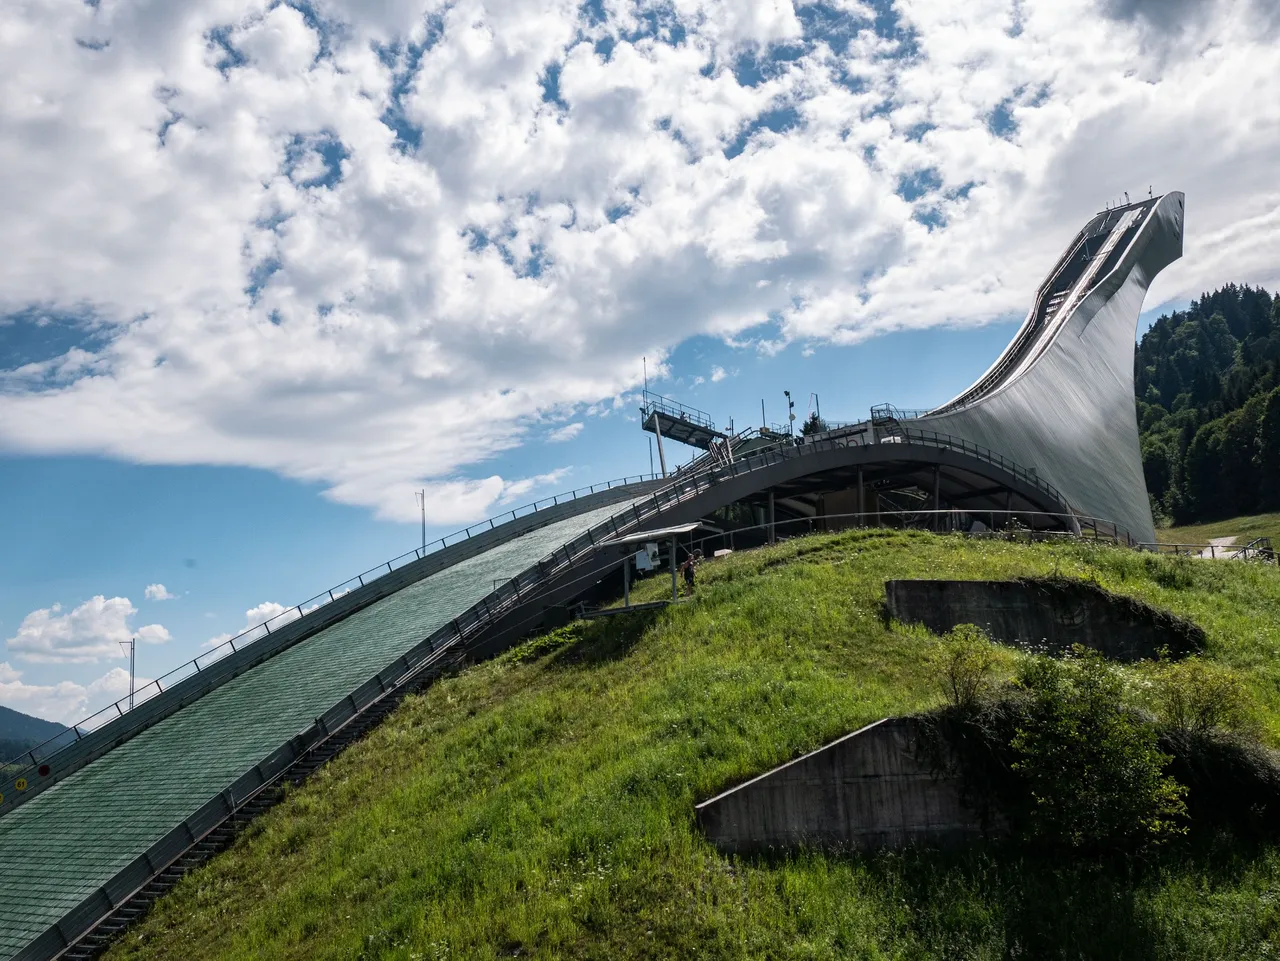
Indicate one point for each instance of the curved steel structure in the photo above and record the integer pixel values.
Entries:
(107, 823)
(1059, 400)
(92, 830)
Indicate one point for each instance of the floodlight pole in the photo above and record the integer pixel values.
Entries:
(133, 646)
(422, 502)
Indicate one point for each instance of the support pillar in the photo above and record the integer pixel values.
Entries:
(662, 458)
(773, 537)
(626, 582)
(937, 497)
(862, 502)
(675, 590)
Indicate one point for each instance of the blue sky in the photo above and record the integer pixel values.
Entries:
(223, 540)
(273, 266)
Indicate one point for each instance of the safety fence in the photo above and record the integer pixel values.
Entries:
(798, 446)
(19, 769)
(1257, 549)
(502, 606)
(702, 472)
(656, 403)
(445, 645)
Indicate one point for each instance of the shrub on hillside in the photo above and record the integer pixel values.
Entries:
(1195, 696)
(1094, 772)
(965, 662)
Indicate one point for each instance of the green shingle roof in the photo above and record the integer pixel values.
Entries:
(60, 846)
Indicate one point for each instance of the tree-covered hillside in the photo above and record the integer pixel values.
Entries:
(20, 732)
(1208, 389)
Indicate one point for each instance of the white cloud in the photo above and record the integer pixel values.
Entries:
(566, 433)
(66, 701)
(717, 374)
(157, 592)
(254, 618)
(91, 632)
(481, 256)
(523, 488)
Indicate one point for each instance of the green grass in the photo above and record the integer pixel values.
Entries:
(541, 805)
(1244, 529)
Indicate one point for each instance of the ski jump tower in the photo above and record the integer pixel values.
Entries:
(1059, 400)
(100, 819)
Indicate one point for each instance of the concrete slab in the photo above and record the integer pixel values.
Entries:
(887, 785)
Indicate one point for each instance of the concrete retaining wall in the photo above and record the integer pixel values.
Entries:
(877, 787)
(1049, 614)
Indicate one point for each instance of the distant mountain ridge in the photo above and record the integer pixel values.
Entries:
(20, 732)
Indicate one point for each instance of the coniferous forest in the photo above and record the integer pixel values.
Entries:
(1207, 381)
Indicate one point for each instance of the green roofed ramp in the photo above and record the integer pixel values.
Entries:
(59, 849)
(74, 853)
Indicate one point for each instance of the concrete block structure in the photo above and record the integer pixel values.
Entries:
(1048, 615)
(880, 787)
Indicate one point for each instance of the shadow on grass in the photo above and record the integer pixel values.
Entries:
(1007, 901)
(604, 639)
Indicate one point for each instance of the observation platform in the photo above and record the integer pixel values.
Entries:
(672, 420)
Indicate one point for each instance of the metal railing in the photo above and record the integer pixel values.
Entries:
(791, 446)
(886, 413)
(695, 478)
(934, 439)
(36, 755)
(673, 408)
(946, 521)
(1257, 549)
(534, 583)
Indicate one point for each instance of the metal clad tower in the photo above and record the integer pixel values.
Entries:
(1059, 400)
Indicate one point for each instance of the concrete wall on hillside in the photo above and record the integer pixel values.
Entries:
(875, 788)
(1049, 614)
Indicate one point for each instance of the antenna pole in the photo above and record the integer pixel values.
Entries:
(645, 362)
(133, 647)
(422, 502)
(763, 422)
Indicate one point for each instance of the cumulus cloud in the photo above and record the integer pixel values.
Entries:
(66, 701)
(717, 374)
(565, 433)
(90, 632)
(325, 245)
(254, 619)
(157, 592)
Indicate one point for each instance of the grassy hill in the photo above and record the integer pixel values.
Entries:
(1244, 529)
(541, 805)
